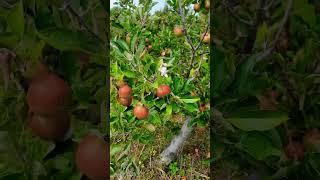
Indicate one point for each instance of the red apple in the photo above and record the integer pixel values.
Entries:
(163, 90)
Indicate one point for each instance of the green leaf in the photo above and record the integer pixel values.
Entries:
(133, 42)
(222, 71)
(115, 149)
(69, 66)
(259, 146)
(66, 40)
(244, 73)
(169, 110)
(250, 119)
(261, 37)
(155, 118)
(314, 161)
(191, 107)
(130, 74)
(15, 19)
(306, 11)
(190, 100)
(8, 40)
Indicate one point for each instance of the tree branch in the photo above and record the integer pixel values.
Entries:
(167, 155)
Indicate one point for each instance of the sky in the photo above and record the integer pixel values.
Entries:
(159, 6)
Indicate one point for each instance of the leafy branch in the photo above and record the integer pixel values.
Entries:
(167, 155)
(233, 14)
(271, 48)
(193, 47)
(80, 19)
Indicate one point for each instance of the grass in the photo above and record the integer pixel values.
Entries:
(189, 163)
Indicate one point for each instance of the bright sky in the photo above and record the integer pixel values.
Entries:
(160, 4)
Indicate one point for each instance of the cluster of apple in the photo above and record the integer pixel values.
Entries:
(48, 99)
(140, 111)
(197, 6)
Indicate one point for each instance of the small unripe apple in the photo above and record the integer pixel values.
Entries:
(205, 37)
(196, 7)
(163, 53)
(128, 39)
(163, 90)
(193, 93)
(141, 112)
(147, 40)
(150, 127)
(178, 31)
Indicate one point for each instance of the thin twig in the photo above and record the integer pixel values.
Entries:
(283, 22)
(183, 18)
(206, 31)
(272, 46)
(269, 5)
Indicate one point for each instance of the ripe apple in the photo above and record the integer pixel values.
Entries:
(53, 127)
(125, 101)
(141, 112)
(92, 157)
(163, 90)
(124, 91)
(48, 94)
